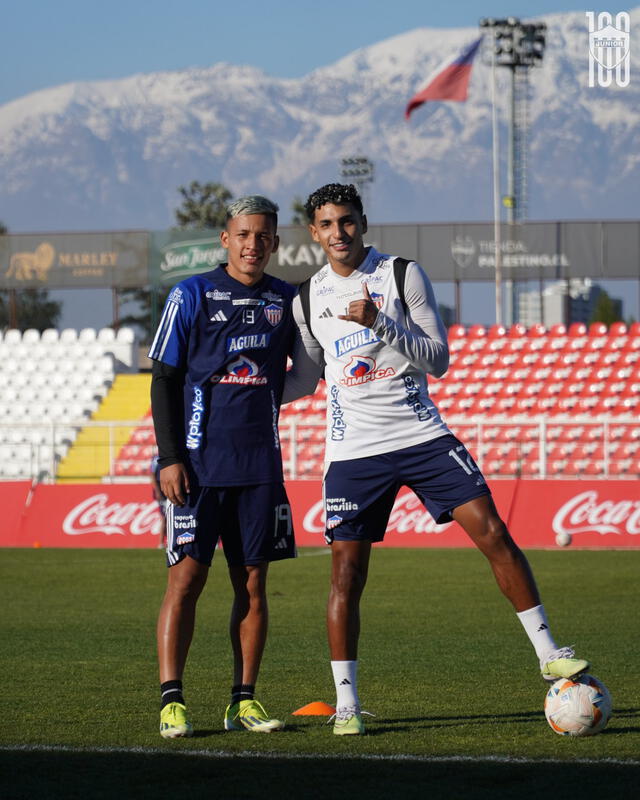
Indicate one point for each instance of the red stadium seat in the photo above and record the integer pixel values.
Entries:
(597, 329)
(592, 433)
(537, 330)
(556, 467)
(567, 404)
(618, 329)
(517, 331)
(577, 329)
(620, 468)
(558, 330)
(497, 332)
(574, 467)
(456, 332)
(594, 467)
(509, 467)
(571, 433)
(477, 332)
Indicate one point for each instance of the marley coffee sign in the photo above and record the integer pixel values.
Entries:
(175, 255)
(74, 260)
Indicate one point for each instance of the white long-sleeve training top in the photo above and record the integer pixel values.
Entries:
(377, 393)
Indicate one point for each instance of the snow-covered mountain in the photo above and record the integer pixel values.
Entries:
(111, 154)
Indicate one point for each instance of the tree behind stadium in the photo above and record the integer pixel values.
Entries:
(204, 206)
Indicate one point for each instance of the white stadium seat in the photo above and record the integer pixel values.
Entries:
(31, 336)
(12, 336)
(49, 336)
(106, 335)
(87, 335)
(126, 335)
(94, 350)
(10, 394)
(69, 335)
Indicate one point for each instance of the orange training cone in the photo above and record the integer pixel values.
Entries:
(316, 709)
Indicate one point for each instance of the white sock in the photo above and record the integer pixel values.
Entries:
(345, 678)
(535, 623)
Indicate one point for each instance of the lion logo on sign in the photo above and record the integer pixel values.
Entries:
(29, 266)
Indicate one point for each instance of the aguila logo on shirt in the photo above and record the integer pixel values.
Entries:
(362, 369)
(357, 339)
(250, 341)
(273, 313)
(242, 371)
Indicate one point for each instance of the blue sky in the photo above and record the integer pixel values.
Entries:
(49, 42)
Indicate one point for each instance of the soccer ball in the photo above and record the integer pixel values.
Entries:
(578, 706)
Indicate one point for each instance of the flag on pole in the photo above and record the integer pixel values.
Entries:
(450, 81)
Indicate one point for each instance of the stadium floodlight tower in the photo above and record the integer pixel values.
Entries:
(517, 46)
(359, 171)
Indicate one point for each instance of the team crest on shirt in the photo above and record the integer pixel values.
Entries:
(242, 371)
(362, 369)
(273, 313)
(333, 522)
(378, 299)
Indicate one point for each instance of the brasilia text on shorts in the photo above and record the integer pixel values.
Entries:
(340, 504)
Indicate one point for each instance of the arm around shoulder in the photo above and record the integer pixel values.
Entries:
(307, 358)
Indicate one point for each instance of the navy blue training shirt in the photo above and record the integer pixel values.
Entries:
(232, 341)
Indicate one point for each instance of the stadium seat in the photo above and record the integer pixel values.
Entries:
(50, 335)
(31, 336)
(456, 332)
(618, 329)
(537, 330)
(12, 337)
(577, 329)
(598, 329)
(106, 335)
(69, 335)
(126, 335)
(477, 332)
(87, 335)
(497, 332)
(517, 331)
(558, 330)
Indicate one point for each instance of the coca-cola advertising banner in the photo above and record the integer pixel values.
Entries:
(539, 513)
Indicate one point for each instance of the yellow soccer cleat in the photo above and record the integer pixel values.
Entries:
(347, 721)
(174, 723)
(250, 715)
(562, 664)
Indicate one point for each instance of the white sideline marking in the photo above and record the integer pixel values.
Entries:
(152, 751)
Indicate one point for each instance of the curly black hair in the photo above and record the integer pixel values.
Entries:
(339, 194)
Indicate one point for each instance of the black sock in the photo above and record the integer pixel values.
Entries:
(171, 692)
(242, 691)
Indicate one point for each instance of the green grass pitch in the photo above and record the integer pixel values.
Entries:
(444, 665)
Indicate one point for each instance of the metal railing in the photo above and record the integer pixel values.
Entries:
(539, 449)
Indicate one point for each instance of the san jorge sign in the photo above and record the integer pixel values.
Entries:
(174, 259)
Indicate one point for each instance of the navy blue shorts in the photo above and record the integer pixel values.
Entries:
(253, 523)
(359, 493)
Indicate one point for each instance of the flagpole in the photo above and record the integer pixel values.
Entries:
(496, 186)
